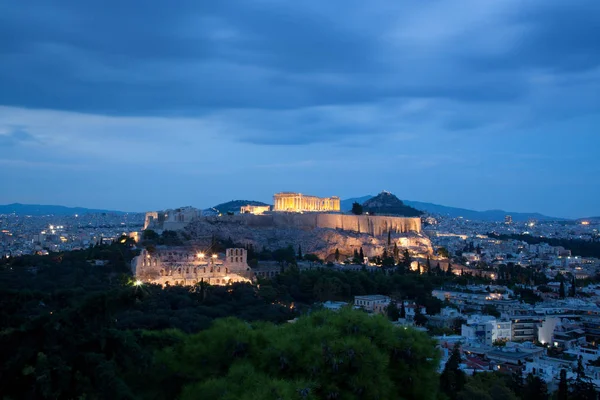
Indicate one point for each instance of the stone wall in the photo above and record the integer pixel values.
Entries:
(371, 225)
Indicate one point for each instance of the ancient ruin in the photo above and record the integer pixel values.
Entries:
(186, 267)
(298, 202)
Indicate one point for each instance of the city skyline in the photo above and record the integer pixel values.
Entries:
(478, 105)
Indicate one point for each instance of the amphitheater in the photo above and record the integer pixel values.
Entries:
(181, 266)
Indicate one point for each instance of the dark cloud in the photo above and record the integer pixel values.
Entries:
(200, 58)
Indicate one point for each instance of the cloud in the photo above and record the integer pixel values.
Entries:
(16, 137)
(229, 86)
(161, 60)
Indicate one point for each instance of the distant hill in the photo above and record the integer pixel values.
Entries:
(386, 203)
(233, 206)
(453, 212)
(38, 209)
(346, 205)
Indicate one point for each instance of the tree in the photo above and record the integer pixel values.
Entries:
(357, 208)
(389, 237)
(517, 382)
(491, 309)
(535, 388)
(573, 288)
(419, 318)
(392, 311)
(583, 388)
(561, 290)
(324, 355)
(406, 260)
(396, 252)
(387, 261)
(438, 270)
(442, 251)
(487, 386)
(361, 255)
(286, 255)
(312, 258)
(563, 386)
(453, 379)
(449, 270)
(402, 309)
(337, 255)
(149, 234)
(299, 252)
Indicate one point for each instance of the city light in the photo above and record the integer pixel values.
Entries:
(137, 283)
(200, 255)
(215, 256)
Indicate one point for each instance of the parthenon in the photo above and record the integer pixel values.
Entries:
(298, 202)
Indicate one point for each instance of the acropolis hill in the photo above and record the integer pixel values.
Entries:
(319, 232)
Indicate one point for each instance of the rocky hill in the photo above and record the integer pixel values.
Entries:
(386, 203)
(454, 212)
(320, 241)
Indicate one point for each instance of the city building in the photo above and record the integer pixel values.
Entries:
(298, 202)
(486, 329)
(256, 210)
(371, 302)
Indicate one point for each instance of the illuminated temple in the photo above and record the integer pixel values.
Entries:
(298, 202)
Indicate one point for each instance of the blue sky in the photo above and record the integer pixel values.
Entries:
(155, 104)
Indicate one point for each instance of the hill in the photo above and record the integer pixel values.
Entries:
(488, 215)
(454, 212)
(233, 206)
(386, 203)
(346, 205)
(39, 209)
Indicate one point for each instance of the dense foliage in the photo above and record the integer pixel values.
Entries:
(75, 325)
(341, 355)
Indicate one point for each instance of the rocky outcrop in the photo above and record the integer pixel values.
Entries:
(386, 203)
(320, 241)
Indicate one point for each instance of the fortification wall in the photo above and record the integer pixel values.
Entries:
(372, 225)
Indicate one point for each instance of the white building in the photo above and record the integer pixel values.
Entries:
(371, 302)
(486, 329)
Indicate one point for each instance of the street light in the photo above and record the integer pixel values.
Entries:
(215, 256)
(200, 255)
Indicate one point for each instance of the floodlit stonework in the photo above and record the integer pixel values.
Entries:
(318, 233)
(298, 202)
(185, 267)
(170, 220)
(256, 210)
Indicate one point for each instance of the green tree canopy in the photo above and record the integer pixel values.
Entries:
(344, 355)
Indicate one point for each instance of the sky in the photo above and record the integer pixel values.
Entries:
(154, 104)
